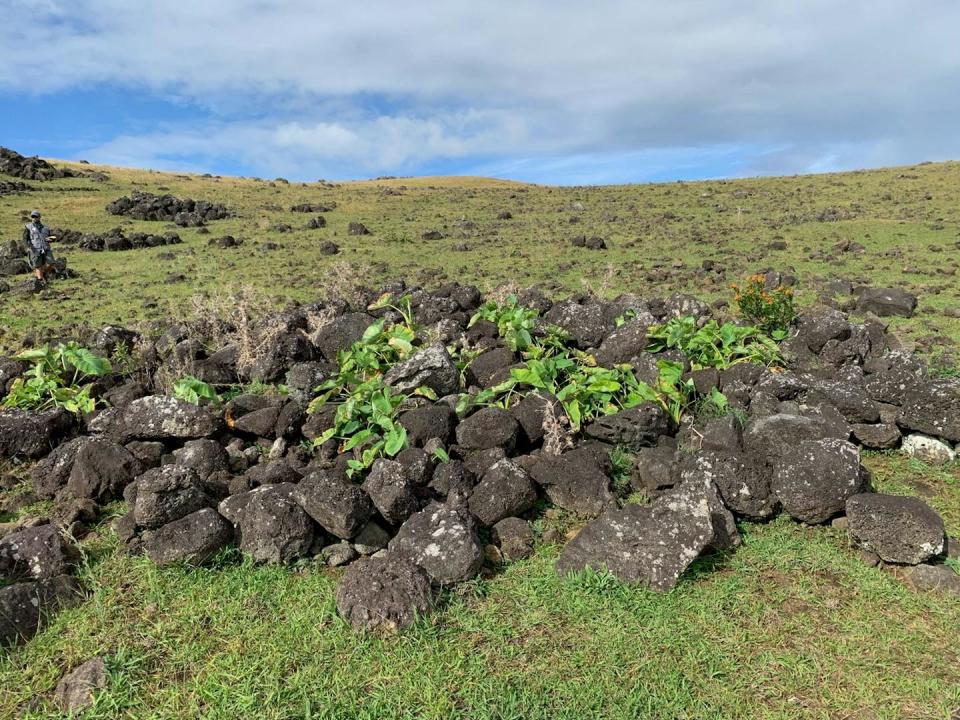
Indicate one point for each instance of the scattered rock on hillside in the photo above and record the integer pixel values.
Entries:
(899, 529)
(887, 301)
(75, 690)
(24, 605)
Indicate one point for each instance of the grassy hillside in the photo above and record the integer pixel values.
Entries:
(792, 625)
(907, 221)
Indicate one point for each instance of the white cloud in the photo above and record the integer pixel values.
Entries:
(383, 86)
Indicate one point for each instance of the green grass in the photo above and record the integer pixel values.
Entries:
(792, 625)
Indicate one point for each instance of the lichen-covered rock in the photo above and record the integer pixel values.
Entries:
(428, 422)
(75, 690)
(744, 486)
(505, 490)
(338, 506)
(650, 545)
(933, 408)
(814, 478)
(441, 541)
(194, 538)
(391, 491)
(51, 474)
(635, 428)
(273, 528)
(879, 436)
(899, 529)
(156, 417)
(514, 538)
(38, 552)
(30, 435)
(928, 449)
(576, 480)
(384, 593)
(167, 493)
(430, 367)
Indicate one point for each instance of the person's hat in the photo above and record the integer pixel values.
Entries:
(35, 213)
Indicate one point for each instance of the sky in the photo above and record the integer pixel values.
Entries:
(549, 91)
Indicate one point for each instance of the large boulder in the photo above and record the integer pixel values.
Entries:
(38, 552)
(813, 479)
(634, 428)
(30, 435)
(441, 541)
(766, 438)
(24, 605)
(339, 507)
(101, 470)
(887, 301)
(933, 408)
(193, 539)
(384, 593)
(167, 493)
(157, 417)
(504, 491)
(430, 367)
(899, 529)
(623, 344)
(273, 528)
(204, 456)
(647, 544)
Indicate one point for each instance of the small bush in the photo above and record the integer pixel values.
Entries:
(772, 312)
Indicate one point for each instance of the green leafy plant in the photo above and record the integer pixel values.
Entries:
(772, 312)
(713, 345)
(364, 421)
(622, 320)
(57, 379)
(514, 322)
(194, 391)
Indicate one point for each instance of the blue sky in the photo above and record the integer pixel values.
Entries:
(542, 90)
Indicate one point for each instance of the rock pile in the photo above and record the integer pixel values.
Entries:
(185, 213)
(197, 479)
(30, 168)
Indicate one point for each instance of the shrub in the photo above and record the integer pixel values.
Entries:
(772, 312)
(55, 379)
(514, 322)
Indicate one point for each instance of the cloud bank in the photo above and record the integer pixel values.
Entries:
(548, 90)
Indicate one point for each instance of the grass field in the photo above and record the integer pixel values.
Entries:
(792, 625)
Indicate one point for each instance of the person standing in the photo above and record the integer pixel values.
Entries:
(37, 238)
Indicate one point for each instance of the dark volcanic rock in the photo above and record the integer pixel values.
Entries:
(899, 529)
(814, 478)
(587, 325)
(514, 538)
(166, 494)
(744, 486)
(431, 367)
(881, 436)
(273, 528)
(933, 408)
(489, 427)
(101, 470)
(391, 491)
(157, 417)
(31, 435)
(428, 422)
(887, 301)
(576, 480)
(339, 506)
(441, 541)
(340, 333)
(384, 593)
(52, 473)
(651, 545)
(38, 552)
(75, 690)
(23, 605)
(635, 428)
(194, 538)
(504, 491)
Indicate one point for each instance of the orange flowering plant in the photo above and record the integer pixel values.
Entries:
(771, 311)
